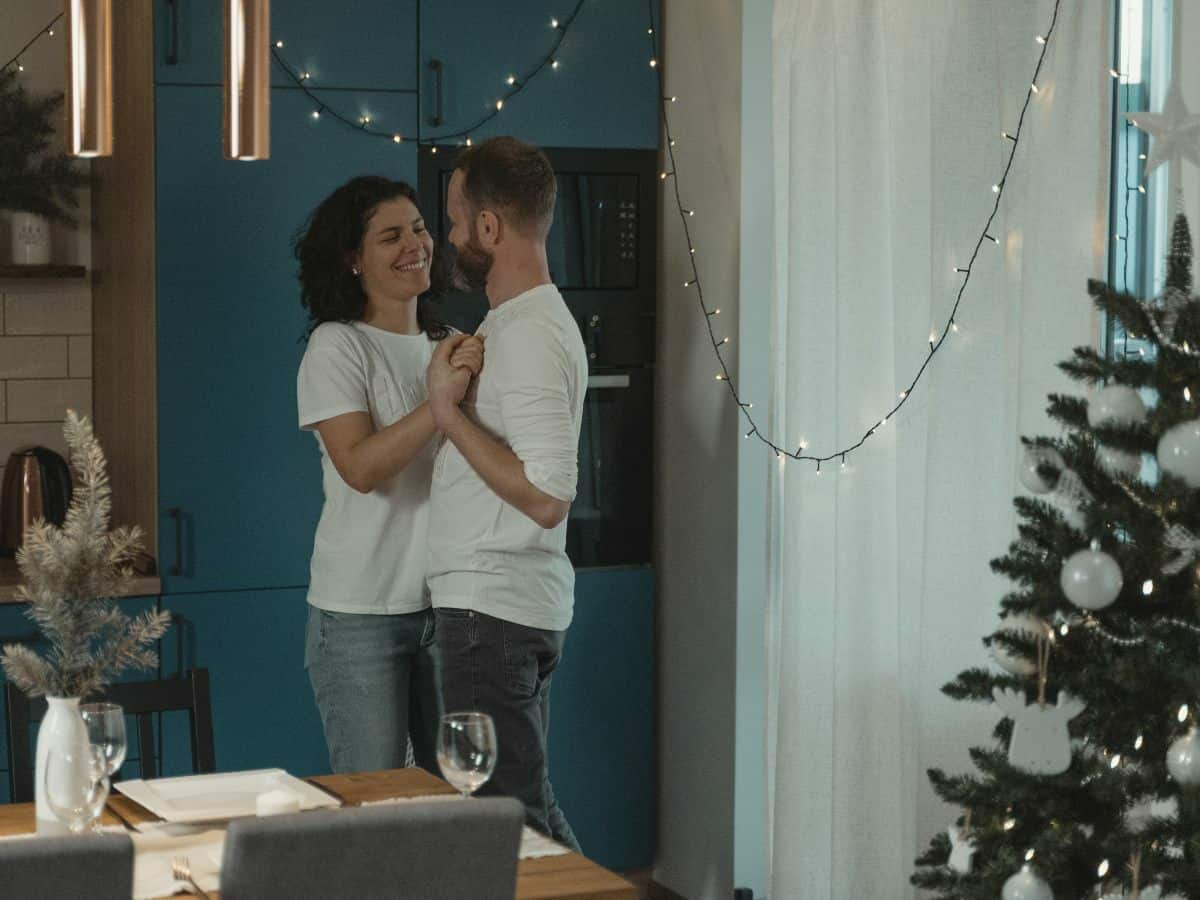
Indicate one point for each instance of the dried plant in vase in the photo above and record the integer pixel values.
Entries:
(70, 574)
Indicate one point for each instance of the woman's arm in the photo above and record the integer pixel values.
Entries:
(364, 457)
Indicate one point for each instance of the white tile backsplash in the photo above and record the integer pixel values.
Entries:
(79, 354)
(33, 357)
(48, 400)
(48, 313)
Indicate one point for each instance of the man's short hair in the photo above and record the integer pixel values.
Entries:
(512, 178)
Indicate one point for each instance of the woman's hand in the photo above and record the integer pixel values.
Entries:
(468, 355)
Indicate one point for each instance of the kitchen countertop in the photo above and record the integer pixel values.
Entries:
(10, 577)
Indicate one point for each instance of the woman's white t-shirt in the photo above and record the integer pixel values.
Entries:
(370, 554)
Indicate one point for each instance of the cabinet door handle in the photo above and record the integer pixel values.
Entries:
(172, 55)
(177, 514)
(436, 66)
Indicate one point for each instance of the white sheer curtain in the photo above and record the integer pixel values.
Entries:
(888, 117)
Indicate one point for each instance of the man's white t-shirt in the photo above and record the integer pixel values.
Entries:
(370, 554)
(486, 555)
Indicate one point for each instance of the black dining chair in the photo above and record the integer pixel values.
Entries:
(142, 700)
(436, 851)
(99, 867)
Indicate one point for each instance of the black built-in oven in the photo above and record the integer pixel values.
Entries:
(601, 251)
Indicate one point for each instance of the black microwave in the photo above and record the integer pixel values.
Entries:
(602, 255)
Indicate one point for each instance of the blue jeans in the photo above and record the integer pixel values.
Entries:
(503, 669)
(375, 680)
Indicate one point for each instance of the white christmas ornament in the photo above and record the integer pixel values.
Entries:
(1040, 742)
(1147, 893)
(1025, 885)
(1117, 404)
(1091, 578)
(1026, 626)
(1141, 813)
(1183, 758)
(1034, 457)
(1179, 452)
(962, 849)
(1118, 462)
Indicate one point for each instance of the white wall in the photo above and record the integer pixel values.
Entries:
(696, 457)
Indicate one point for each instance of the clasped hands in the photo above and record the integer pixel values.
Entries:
(456, 360)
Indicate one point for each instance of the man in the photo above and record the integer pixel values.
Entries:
(502, 586)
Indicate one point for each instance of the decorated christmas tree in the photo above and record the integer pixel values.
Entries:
(1091, 788)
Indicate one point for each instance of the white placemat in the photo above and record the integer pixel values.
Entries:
(104, 829)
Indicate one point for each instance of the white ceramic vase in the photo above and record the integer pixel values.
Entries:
(63, 728)
(30, 239)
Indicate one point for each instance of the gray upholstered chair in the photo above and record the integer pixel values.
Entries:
(431, 851)
(99, 867)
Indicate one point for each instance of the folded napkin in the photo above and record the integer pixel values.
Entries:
(157, 844)
(535, 845)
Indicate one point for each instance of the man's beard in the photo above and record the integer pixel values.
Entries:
(471, 265)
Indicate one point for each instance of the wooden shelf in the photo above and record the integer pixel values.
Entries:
(10, 577)
(7, 271)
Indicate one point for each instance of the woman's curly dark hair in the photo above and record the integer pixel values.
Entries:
(332, 234)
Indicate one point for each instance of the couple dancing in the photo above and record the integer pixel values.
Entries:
(439, 578)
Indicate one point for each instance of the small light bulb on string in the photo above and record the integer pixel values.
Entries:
(20, 66)
(470, 143)
(554, 23)
(954, 327)
(649, 31)
(279, 45)
(1064, 629)
(1115, 762)
(433, 149)
(715, 312)
(1182, 714)
(663, 176)
(692, 251)
(1148, 587)
(688, 284)
(994, 240)
(304, 76)
(316, 114)
(511, 80)
(1029, 854)
(1119, 237)
(1102, 869)
(722, 342)
(365, 121)
(1009, 824)
(554, 64)
(995, 188)
(960, 270)
(499, 105)
(903, 395)
(671, 142)
(1142, 156)
(932, 338)
(1141, 189)
(749, 434)
(50, 31)
(396, 139)
(720, 377)
(1041, 39)
(1033, 87)
(1187, 394)
(672, 99)
(803, 445)
(1137, 745)
(653, 63)
(1114, 73)
(690, 212)
(1007, 136)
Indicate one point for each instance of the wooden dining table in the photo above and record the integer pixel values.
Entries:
(566, 877)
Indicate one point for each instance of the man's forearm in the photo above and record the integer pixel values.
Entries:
(500, 469)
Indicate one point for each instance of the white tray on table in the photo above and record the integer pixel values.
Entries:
(220, 795)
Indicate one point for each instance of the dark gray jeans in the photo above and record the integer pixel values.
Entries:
(504, 669)
(375, 682)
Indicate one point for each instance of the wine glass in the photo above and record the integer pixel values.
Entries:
(466, 750)
(76, 783)
(106, 730)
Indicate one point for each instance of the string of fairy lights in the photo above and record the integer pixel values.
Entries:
(363, 123)
(47, 31)
(936, 340)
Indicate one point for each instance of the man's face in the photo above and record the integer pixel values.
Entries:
(472, 262)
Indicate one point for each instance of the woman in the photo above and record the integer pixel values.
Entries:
(365, 274)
